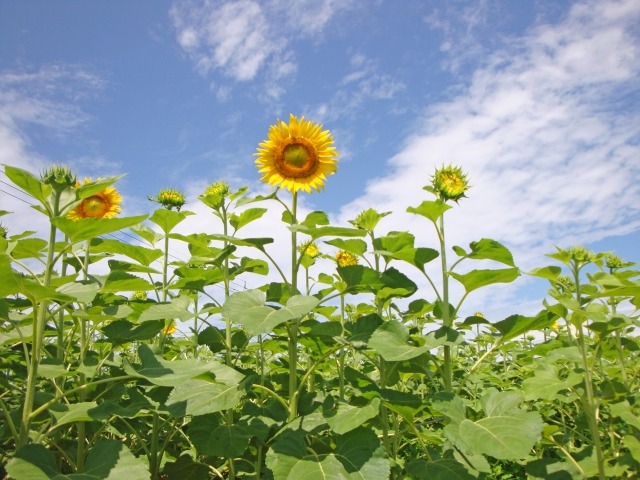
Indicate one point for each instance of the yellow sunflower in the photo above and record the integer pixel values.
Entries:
(297, 156)
(104, 204)
(346, 259)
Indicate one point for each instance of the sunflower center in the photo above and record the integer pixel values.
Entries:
(296, 157)
(94, 206)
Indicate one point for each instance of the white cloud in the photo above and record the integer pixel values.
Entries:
(543, 129)
(243, 38)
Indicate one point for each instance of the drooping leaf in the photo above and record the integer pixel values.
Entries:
(177, 308)
(200, 397)
(88, 228)
(391, 342)
(488, 249)
(430, 209)
(168, 219)
(479, 278)
(121, 281)
(347, 417)
(142, 255)
(355, 246)
(247, 216)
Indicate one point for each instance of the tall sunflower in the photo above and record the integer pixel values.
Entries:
(104, 204)
(297, 156)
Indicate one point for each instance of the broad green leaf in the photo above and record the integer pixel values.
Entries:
(227, 441)
(197, 278)
(88, 228)
(391, 342)
(122, 331)
(395, 284)
(168, 219)
(488, 249)
(120, 281)
(247, 309)
(624, 411)
(348, 417)
(130, 267)
(200, 397)
(112, 460)
(28, 183)
(546, 383)
(258, 243)
(329, 231)
(83, 291)
(360, 278)
(73, 412)
(516, 325)
(28, 248)
(316, 218)
(450, 405)
(142, 255)
(479, 278)
(352, 245)
(238, 221)
(430, 209)
(177, 308)
(361, 453)
(32, 462)
(185, 468)
(167, 373)
(439, 469)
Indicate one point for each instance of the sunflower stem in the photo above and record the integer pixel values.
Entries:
(293, 325)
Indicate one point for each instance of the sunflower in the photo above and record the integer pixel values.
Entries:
(170, 328)
(450, 183)
(346, 259)
(297, 156)
(104, 204)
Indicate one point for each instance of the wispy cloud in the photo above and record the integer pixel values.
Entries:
(548, 133)
(244, 38)
(49, 98)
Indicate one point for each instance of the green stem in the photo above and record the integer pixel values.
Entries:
(591, 409)
(38, 333)
(293, 325)
(447, 317)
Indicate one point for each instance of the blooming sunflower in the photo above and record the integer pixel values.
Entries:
(309, 248)
(297, 156)
(346, 259)
(104, 204)
(170, 328)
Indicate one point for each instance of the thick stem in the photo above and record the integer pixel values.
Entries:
(447, 317)
(39, 322)
(293, 325)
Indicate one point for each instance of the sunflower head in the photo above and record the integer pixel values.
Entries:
(450, 183)
(214, 194)
(59, 177)
(103, 204)
(309, 248)
(346, 259)
(170, 328)
(139, 296)
(170, 198)
(297, 156)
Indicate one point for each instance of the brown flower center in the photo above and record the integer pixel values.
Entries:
(94, 206)
(296, 157)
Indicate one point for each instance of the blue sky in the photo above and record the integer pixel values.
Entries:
(538, 100)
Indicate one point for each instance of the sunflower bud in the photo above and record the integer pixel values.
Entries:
(170, 199)
(614, 262)
(450, 183)
(4, 231)
(368, 219)
(215, 194)
(139, 296)
(346, 259)
(170, 328)
(581, 255)
(59, 177)
(309, 248)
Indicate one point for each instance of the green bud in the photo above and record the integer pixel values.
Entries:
(59, 177)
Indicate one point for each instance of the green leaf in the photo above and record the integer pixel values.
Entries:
(88, 228)
(168, 219)
(32, 462)
(430, 209)
(175, 373)
(480, 278)
(185, 468)
(362, 455)
(316, 218)
(329, 231)
(246, 217)
(347, 417)
(28, 248)
(227, 441)
(177, 308)
(200, 397)
(28, 183)
(516, 325)
(122, 331)
(440, 469)
(391, 341)
(360, 278)
(546, 383)
(83, 291)
(395, 284)
(106, 460)
(488, 249)
(120, 281)
(142, 255)
(353, 245)
(73, 412)
(247, 309)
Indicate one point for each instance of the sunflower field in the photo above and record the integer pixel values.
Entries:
(119, 360)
